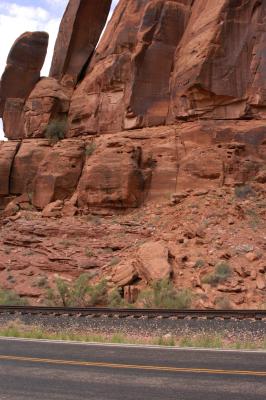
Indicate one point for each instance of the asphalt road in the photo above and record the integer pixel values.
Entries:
(37, 370)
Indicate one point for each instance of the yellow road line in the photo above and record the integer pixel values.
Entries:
(130, 366)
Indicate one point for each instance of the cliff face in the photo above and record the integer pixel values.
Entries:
(180, 59)
(169, 107)
(158, 62)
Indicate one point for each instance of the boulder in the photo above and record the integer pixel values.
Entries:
(79, 33)
(58, 173)
(22, 202)
(53, 209)
(261, 282)
(124, 274)
(153, 262)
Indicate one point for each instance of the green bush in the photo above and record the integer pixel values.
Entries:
(10, 298)
(244, 191)
(115, 299)
(164, 295)
(98, 293)
(78, 294)
(56, 130)
(221, 273)
(199, 263)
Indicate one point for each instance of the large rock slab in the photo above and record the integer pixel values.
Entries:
(79, 33)
(8, 151)
(124, 274)
(219, 66)
(112, 176)
(26, 164)
(24, 63)
(13, 119)
(153, 262)
(59, 173)
(22, 72)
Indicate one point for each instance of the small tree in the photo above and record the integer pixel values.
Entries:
(78, 294)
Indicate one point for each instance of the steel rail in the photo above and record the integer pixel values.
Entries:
(135, 312)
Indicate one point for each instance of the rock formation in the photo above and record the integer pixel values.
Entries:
(21, 74)
(79, 33)
(122, 83)
(219, 64)
(49, 100)
(163, 121)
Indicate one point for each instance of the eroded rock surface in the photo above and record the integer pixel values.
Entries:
(26, 165)
(161, 166)
(121, 82)
(219, 63)
(48, 101)
(79, 33)
(153, 262)
(21, 74)
(8, 151)
(113, 176)
(209, 61)
(58, 173)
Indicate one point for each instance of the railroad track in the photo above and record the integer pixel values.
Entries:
(134, 313)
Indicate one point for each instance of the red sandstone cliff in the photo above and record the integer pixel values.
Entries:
(166, 113)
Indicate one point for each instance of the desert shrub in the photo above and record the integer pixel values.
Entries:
(221, 273)
(165, 341)
(254, 218)
(10, 298)
(116, 300)
(243, 191)
(89, 252)
(199, 263)
(163, 294)
(223, 303)
(78, 294)
(98, 293)
(90, 148)
(56, 130)
(42, 282)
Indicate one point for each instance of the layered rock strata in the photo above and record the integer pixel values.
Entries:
(159, 132)
(129, 168)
